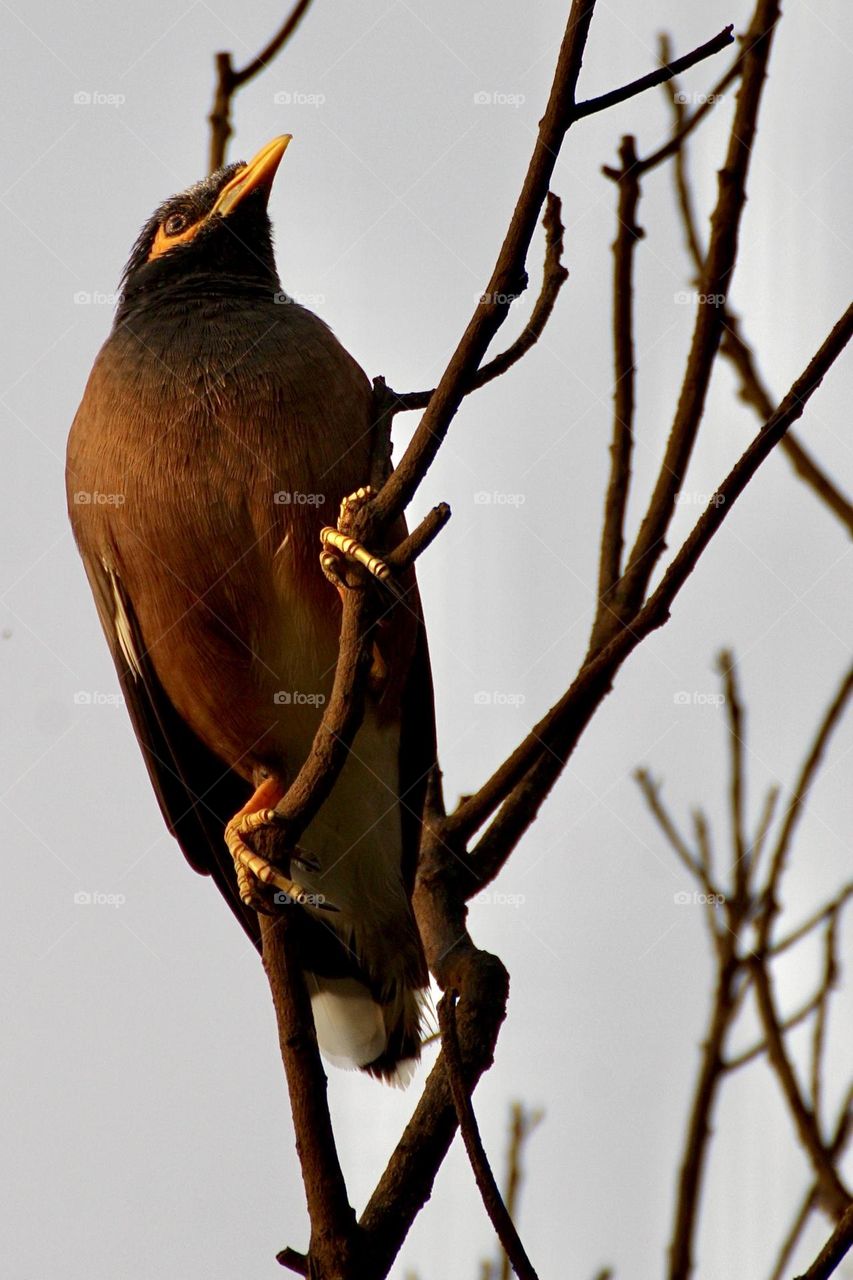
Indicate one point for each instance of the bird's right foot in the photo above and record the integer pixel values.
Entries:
(255, 872)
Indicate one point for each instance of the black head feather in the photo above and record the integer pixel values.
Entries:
(225, 250)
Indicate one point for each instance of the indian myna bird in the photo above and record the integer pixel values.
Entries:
(221, 427)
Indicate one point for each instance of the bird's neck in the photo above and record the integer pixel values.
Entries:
(198, 292)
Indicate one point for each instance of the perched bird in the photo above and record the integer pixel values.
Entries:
(221, 426)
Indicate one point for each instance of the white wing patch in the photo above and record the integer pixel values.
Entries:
(121, 624)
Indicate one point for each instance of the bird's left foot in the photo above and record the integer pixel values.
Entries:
(252, 870)
(339, 546)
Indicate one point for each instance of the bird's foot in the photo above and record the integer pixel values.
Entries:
(254, 873)
(339, 546)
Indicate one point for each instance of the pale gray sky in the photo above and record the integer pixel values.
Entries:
(145, 1124)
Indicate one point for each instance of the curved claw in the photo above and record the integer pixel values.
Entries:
(251, 866)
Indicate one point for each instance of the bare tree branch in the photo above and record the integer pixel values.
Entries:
(554, 275)
(607, 619)
(229, 80)
(812, 922)
(521, 783)
(798, 798)
(734, 711)
(716, 280)
(834, 1251)
(488, 1187)
(334, 1236)
(654, 78)
(753, 390)
(522, 1124)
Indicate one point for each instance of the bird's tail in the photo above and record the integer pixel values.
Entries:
(355, 1029)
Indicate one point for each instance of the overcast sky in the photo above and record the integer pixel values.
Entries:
(145, 1121)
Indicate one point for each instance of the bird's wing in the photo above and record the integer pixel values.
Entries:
(198, 793)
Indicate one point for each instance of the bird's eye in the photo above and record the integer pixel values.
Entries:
(175, 224)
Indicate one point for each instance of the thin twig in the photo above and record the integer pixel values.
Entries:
(834, 1251)
(813, 921)
(334, 1235)
(554, 275)
(830, 977)
(763, 828)
(756, 1050)
(734, 711)
(628, 233)
(685, 124)
(660, 76)
(834, 1194)
(798, 797)
(753, 390)
(521, 783)
(507, 280)
(651, 794)
(698, 1134)
(840, 1137)
(229, 80)
(522, 1124)
(716, 282)
(485, 1179)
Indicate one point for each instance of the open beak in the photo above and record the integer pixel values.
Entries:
(258, 175)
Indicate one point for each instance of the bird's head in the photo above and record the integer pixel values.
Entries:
(219, 228)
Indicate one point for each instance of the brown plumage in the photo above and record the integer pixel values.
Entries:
(221, 426)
